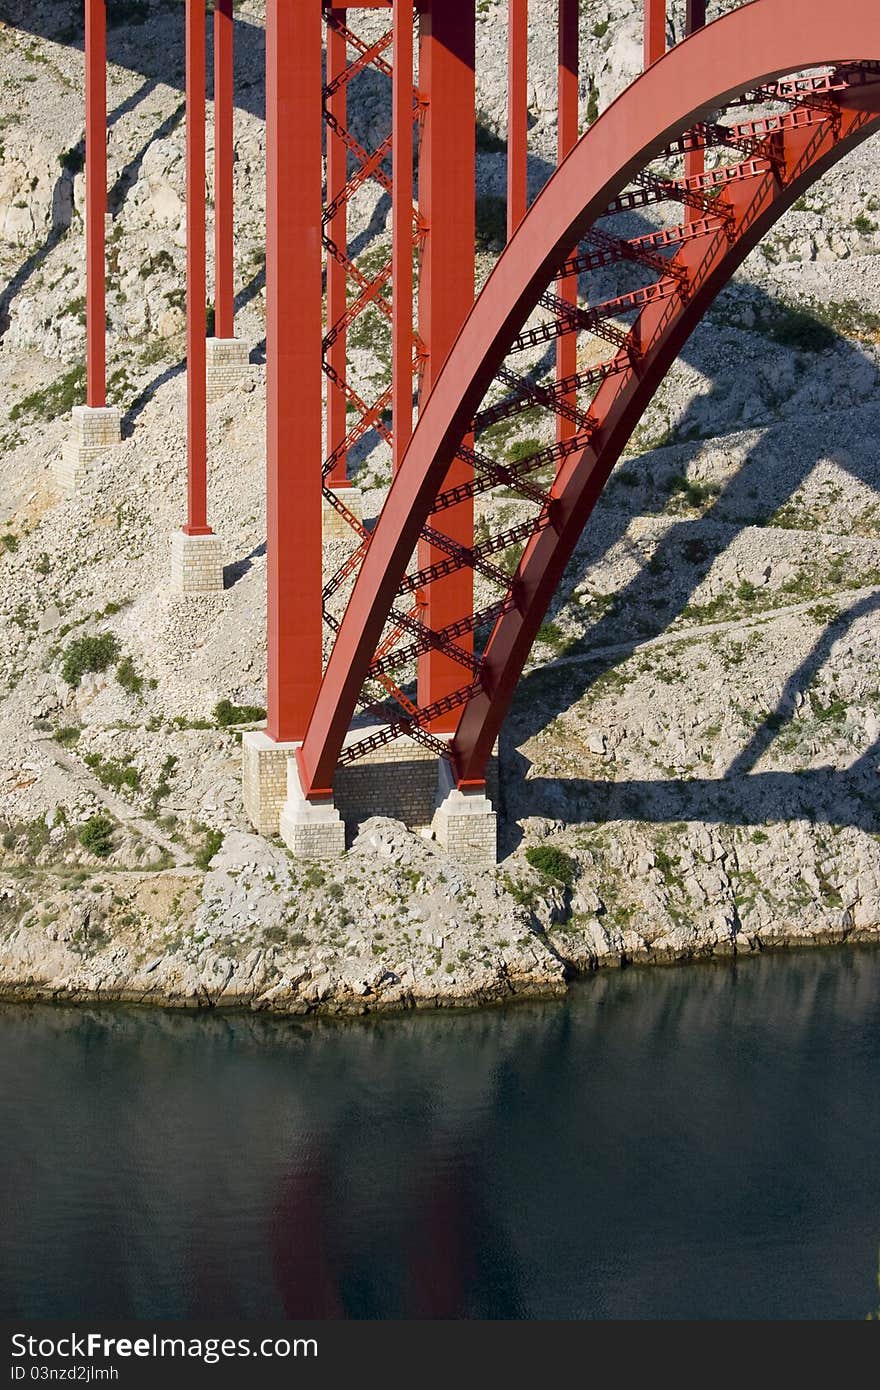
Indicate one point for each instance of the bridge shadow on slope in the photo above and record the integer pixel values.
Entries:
(660, 591)
(62, 206)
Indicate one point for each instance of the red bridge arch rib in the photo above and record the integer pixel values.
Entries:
(769, 136)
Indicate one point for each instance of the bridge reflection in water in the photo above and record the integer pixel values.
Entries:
(667, 1143)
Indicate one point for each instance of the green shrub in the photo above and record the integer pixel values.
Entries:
(226, 714)
(67, 735)
(552, 863)
(110, 772)
(84, 654)
(73, 161)
(97, 836)
(209, 847)
(128, 677)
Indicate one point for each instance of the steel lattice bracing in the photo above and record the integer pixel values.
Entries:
(726, 95)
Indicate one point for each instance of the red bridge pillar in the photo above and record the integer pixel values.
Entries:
(196, 280)
(446, 289)
(402, 229)
(655, 30)
(517, 112)
(95, 427)
(224, 288)
(566, 139)
(196, 553)
(694, 160)
(96, 200)
(337, 229)
(293, 361)
(294, 426)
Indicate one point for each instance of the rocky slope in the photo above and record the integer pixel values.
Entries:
(695, 746)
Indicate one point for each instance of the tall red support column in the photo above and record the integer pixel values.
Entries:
(694, 160)
(196, 280)
(567, 134)
(293, 362)
(517, 112)
(655, 30)
(96, 202)
(402, 229)
(446, 288)
(224, 287)
(337, 230)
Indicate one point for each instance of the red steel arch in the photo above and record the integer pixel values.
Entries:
(736, 62)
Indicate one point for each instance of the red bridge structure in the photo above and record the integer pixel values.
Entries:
(717, 138)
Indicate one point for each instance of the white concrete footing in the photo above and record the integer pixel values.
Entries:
(196, 564)
(228, 363)
(310, 829)
(465, 823)
(94, 430)
(264, 779)
(335, 526)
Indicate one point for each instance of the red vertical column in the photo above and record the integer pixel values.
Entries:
(567, 134)
(293, 362)
(446, 286)
(196, 280)
(96, 201)
(517, 112)
(224, 291)
(655, 30)
(402, 229)
(694, 160)
(337, 169)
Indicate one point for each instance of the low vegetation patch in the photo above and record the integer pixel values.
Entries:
(210, 845)
(552, 864)
(89, 654)
(226, 714)
(96, 836)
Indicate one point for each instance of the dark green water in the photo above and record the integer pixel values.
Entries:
(697, 1142)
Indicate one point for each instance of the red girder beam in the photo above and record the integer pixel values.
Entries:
(402, 150)
(446, 289)
(386, 661)
(610, 249)
(370, 168)
(465, 557)
(224, 215)
(343, 75)
(517, 112)
(293, 363)
(337, 230)
(196, 279)
(521, 400)
(96, 202)
(655, 31)
(371, 51)
(358, 275)
(566, 139)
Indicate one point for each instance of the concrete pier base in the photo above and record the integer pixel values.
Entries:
(94, 430)
(465, 823)
(335, 526)
(403, 780)
(264, 779)
(310, 829)
(196, 564)
(228, 363)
